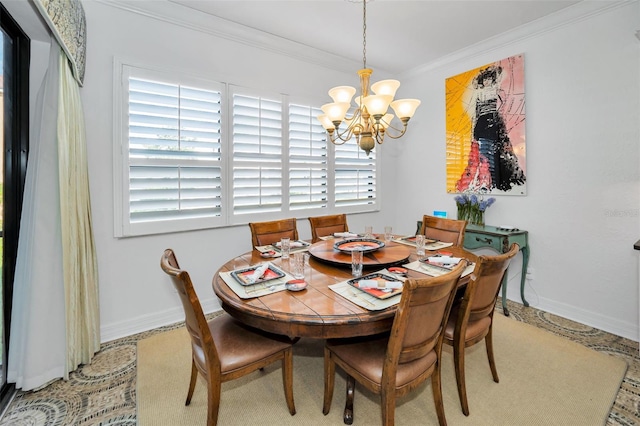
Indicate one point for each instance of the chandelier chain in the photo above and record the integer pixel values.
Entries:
(364, 33)
(370, 120)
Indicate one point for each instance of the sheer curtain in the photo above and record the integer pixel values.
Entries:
(38, 318)
(55, 315)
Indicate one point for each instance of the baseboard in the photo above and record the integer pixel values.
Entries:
(627, 330)
(142, 323)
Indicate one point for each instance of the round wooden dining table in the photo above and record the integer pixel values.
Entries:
(317, 311)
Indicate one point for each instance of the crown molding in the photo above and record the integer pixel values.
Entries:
(568, 16)
(176, 14)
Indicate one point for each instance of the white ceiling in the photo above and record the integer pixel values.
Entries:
(401, 35)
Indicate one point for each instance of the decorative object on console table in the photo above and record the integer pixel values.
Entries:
(471, 207)
(500, 239)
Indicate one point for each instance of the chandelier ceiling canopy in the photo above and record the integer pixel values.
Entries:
(370, 120)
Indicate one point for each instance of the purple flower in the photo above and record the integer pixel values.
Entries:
(459, 199)
(490, 201)
(474, 199)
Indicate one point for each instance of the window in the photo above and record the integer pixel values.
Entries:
(182, 165)
(257, 154)
(355, 176)
(308, 168)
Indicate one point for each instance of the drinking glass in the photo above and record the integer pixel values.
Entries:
(388, 233)
(368, 231)
(356, 262)
(420, 242)
(297, 269)
(285, 247)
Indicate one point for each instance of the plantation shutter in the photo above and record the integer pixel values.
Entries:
(355, 175)
(257, 154)
(174, 146)
(307, 159)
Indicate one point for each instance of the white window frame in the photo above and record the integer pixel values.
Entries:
(122, 161)
(122, 225)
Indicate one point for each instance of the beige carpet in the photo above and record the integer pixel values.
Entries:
(544, 380)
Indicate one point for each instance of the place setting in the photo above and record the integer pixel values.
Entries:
(428, 243)
(439, 264)
(256, 280)
(335, 235)
(374, 291)
(285, 245)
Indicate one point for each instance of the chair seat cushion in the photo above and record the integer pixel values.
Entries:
(474, 328)
(367, 357)
(239, 345)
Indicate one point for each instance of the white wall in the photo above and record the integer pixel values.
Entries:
(134, 293)
(582, 209)
(583, 159)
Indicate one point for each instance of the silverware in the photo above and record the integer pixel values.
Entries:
(263, 287)
(357, 296)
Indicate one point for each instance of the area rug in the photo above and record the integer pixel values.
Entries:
(544, 380)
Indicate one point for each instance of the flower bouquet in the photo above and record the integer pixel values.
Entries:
(471, 207)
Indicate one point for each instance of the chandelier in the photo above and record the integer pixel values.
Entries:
(370, 121)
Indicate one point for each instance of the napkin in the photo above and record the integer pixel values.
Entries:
(292, 244)
(444, 260)
(345, 235)
(379, 284)
(258, 273)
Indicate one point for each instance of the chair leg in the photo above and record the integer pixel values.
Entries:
(436, 386)
(458, 359)
(287, 379)
(329, 377)
(492, 363)
(388, 405)
(348, 404)
(192, 383)
(213, 402)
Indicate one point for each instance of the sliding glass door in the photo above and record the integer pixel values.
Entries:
(14, 142)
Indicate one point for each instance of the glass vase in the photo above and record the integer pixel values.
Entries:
(477, 218)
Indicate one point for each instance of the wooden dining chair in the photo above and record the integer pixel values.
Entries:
(264, 233)
(223, 349)
(393, 365)
(321, 226)
(445, 230)
(471, 319)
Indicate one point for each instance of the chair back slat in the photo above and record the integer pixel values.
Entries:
(321, 226)
(421, 316)
(484, 284)
(195, 320)
(264, 233)
(445, 230)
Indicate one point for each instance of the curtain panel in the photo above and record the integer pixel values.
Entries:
(55, 323)
(37, 348)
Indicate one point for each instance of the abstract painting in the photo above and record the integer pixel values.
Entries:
(485, 118)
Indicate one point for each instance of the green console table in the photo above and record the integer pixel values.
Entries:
(500, 239)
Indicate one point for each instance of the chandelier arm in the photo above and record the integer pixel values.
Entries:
(397, 136)
(344, 136)
(336, 139)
